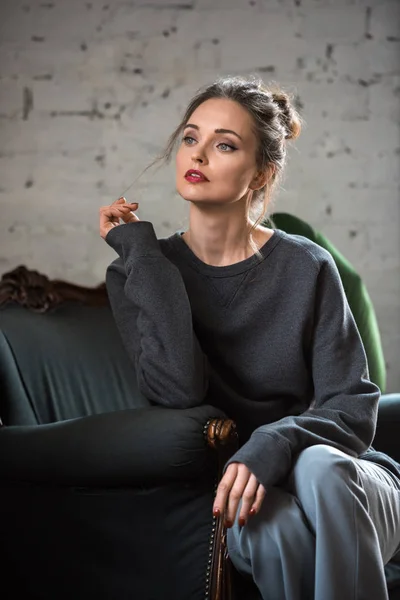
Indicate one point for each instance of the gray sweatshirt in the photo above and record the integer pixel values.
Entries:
(272, 343)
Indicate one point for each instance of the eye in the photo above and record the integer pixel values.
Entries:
(188, 140)
(226, 147)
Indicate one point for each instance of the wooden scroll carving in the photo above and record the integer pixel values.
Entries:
(38, 293)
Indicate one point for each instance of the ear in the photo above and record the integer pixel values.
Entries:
(262, 177)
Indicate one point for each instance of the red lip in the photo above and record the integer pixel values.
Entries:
(195, 176)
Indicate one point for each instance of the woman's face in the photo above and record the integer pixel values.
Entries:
(226, 159)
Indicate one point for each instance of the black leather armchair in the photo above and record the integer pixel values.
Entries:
(102, 495)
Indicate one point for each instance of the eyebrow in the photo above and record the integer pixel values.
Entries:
(216, 131)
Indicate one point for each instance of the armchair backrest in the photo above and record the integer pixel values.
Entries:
(69, 361)
(65, 363)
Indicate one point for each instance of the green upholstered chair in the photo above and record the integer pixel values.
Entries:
(356, 292)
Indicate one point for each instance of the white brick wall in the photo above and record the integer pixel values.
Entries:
(90, 91)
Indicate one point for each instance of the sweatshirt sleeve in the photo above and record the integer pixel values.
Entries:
(343, 412)
(154, 318)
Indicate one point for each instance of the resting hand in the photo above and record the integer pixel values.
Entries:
(238, 483)
(110, 215)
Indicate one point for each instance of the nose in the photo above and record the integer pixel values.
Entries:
(198, 155)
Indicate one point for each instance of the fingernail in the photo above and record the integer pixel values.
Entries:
(252, 512)
(216, 512)
(228, 524)
(242, 521)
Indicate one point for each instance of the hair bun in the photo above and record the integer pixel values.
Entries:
(289, 116)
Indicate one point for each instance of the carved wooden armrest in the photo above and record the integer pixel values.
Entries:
(222, 436)
(37, 292)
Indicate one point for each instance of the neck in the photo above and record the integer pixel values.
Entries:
(219, 239)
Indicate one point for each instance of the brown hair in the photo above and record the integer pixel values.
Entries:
(275, 121)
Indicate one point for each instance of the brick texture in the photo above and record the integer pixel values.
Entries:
(90, 91)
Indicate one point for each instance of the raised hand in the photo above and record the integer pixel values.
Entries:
(111, 215)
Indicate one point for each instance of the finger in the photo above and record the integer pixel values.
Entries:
(260, 495)
(123, 206)
(130, 217)
(114, 211)
(120, 200)
(224, 488)
(248, 498)
(236, 494)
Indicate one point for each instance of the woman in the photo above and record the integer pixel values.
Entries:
(255, 321)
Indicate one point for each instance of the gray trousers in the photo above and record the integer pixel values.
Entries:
(325, 535)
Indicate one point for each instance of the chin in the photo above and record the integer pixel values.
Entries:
(190, 191)
(192, 197)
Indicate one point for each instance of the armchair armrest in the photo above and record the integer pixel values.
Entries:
(222, 437)
(128, 447)
(150, 445)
